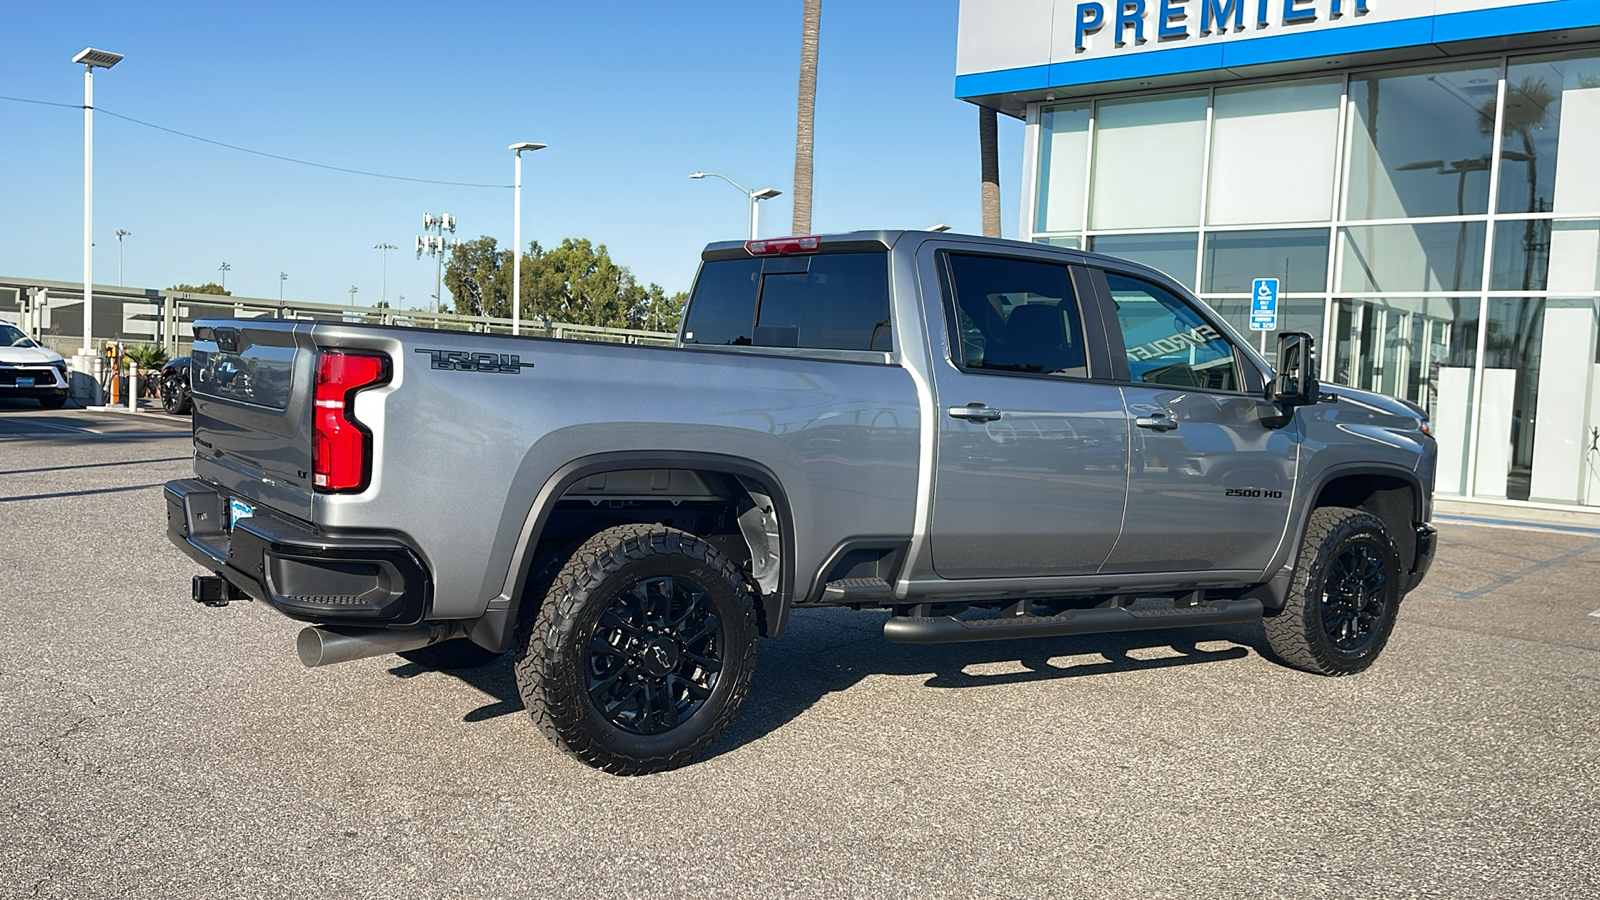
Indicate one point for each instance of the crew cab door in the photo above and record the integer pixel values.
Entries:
(1209, 485)
(1031, 466)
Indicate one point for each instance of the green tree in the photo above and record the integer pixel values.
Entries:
(577, 282)
(479, 278)
(654, 310)
(209, 287)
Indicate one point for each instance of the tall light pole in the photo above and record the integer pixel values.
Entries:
(384, 250)
(353, 290)
(121, 233)
(224, 270)
(104, 59)
(755, 197)
(516, 236)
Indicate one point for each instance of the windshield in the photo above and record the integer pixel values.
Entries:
(12, 336)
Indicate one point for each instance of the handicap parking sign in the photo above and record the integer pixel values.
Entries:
(1264, 305)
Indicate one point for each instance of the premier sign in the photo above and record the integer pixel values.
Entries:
(1017, 47)
(1174, 20)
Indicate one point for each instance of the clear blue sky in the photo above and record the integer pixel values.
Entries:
(630, 96)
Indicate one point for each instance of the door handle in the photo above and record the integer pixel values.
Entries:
(1159, 421)
(974, 412)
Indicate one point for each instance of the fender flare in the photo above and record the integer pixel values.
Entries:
(495, 629)
(1283, 562)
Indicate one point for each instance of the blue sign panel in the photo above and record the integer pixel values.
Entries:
(1264, 305)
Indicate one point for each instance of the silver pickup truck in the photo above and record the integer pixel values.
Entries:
(984, 439)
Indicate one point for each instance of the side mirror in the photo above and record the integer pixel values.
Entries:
(1296, 383)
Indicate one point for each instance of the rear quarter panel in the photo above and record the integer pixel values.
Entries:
(459, 457)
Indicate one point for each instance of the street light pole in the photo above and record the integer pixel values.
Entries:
(384, 249)
(353, 290)
(224, 270)
(90, 58)
(755, 197)
(516, 235)
(120, 235)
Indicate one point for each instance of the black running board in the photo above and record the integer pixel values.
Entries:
(949, 629)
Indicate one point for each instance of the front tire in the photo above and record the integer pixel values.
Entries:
(641, 652)
(53, 401)
(1344, 596)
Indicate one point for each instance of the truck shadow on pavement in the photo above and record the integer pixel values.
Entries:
(830, 651)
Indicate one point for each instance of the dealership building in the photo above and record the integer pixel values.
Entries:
(1422, 177)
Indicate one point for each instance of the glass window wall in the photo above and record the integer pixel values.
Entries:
(1297, 258)
(1418, 200)
(1550, 101)
(1171, 254)
(1440, 256)
(1063, 165)
(1299, 122)
(1149, 156)
(1420, 141)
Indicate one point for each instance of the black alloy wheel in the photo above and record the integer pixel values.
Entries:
(636, 654)
(1353, 596)
(655, 655)
(174, 395)
(1343, 598)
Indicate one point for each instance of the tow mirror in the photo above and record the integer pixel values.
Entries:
(1296, 382)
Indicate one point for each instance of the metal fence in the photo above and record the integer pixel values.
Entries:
(52, 313)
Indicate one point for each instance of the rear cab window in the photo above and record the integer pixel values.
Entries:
(823, 301)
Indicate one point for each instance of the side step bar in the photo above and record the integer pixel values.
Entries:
(949, 629)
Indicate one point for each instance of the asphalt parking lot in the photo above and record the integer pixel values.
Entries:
(155, 748)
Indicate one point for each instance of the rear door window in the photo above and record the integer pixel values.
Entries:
(1016, 315)
(837, 301)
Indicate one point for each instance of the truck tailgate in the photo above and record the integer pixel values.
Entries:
(253, 387)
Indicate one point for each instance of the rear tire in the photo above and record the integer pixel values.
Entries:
(641, 652)
(449, 655)
(1344, 596)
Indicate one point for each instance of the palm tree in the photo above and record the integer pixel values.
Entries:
(989, 151)
(805, 131)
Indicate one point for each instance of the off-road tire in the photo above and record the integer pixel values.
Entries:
(1301, 635)
(554, 657)
(450, 655)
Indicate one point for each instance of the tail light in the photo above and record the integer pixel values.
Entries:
(342, 453)
(783, 246)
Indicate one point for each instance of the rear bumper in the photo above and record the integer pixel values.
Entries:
(327, 579)
(1427, 545)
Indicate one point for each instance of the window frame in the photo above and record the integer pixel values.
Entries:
(1097, 361)
(1252, 381)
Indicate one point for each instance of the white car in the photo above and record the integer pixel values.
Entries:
(29, 370)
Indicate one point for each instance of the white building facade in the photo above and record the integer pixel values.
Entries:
(1421, 176)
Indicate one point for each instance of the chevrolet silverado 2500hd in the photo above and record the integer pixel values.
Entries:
(927, 424)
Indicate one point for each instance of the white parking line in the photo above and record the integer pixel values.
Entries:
(1596, 614)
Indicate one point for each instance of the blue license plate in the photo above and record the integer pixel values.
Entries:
(238, 509)
(24, 381)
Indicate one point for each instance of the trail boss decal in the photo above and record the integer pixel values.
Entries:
(463, 361)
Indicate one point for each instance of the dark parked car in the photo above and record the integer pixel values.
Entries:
(173, 385)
